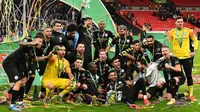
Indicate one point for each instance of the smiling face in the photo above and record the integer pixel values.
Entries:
(112, 76)
(57, 27)
(80, 48)
(88, 23)
(150, 42)
(116, 64)
(137, 47)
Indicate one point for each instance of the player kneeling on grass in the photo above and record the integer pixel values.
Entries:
(115, 86)
(79, 74)
(136, 85)
(92, 84)
(56, 65)
(174, 73)
(153, 78)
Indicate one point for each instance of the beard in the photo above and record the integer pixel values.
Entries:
(62, 55)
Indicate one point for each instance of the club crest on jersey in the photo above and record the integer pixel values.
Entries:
(128, 41)
(106, 35)
(158, 49)
(122, 70)
(16, 77)
(60, 39)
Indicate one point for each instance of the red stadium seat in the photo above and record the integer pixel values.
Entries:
(136, 2)
(187, 3)
(156, 23)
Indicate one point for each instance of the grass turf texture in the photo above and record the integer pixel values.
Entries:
(119, 107)
(197, 60)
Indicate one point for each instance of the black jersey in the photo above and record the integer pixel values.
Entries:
(173, 61)
(86, 38)
(155, 50)
(91, 79)
(19, 57)
(57, 39)
(78, 74)
(121, 44)
(116, 86)
(101, 39)
(123, 73)
(103, 68)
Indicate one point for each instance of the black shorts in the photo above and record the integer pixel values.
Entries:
(153, 91)
(92, 90)
(181, 82)
(31, 68)
(14, 74)
(42, 67)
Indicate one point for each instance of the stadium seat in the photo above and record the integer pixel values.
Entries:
(186, 3)
(156, 23)
(135, 2)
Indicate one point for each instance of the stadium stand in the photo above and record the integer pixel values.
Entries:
(136, 2)
(186, 3)
(157, 25)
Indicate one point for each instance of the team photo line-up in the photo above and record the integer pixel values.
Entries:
(77, 62)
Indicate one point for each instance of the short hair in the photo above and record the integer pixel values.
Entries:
(91, 64)
(115, 58)
(86, 18)
(80, 43)
(57, 21)
(110, 71)
(165, 47)
(122, 27)
(150, 36)
(78, 59)
(179, 17)
(102, 50)
(101, 21)
(48, 27)
(56, 48)
(142, 61)
(135, 42)
(39, 35)
(72, 27)
(61, 45)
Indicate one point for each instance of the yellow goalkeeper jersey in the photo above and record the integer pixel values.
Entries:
(55, 66)
(180, 41)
